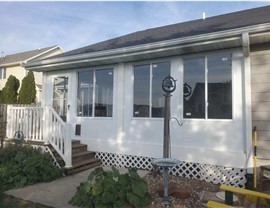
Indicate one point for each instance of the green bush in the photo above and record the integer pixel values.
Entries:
(27, 94)
(111, 189)
(10, 91)
(24, 165)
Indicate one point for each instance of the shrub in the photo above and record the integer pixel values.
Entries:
(10, 91)
(111, 189)
(24, 165)
(27, 94)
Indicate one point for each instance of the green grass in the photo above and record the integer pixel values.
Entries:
(7, 201)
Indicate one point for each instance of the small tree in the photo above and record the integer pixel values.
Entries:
(1, 97)
(27, 94)
(10, 91)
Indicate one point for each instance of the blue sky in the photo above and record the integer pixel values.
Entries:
(32, 25)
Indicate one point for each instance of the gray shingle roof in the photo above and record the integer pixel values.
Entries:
(20, 57)
(186, 29)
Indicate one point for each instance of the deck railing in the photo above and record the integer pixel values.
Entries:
(41, 124)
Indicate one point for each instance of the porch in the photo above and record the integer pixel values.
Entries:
(43, 127)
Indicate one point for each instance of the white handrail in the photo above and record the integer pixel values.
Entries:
(41, 124)
(58, 135)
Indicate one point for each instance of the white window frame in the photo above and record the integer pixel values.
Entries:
(94, 92)
(205, 56)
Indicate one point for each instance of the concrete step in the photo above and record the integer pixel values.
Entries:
(80, 156)
(83, 165)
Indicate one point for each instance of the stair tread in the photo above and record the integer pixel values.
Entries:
(82, 168)
(82, 153)
(84, 162)
(78, 145)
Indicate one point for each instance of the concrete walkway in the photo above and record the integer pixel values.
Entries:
(57, 193)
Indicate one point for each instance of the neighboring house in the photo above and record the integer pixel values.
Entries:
(12, 65)
(110, 94)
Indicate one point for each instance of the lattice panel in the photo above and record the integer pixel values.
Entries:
(55, 163)
(228, 176)
(209, 173)
(47, 149)
(126, 161)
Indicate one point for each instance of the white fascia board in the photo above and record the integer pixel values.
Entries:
(11, 64)
(157, 46)
(40, 54)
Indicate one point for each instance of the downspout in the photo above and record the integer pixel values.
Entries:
(247, 133)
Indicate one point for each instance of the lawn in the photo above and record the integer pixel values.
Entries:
(7, 201)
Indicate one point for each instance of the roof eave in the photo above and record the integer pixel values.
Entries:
(49, 64)
(11, 64)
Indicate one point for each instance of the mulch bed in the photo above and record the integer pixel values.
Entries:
(193, 186)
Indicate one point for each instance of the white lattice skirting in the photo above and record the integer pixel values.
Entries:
(210, 173)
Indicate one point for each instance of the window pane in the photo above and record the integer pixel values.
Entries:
(219, 87)
(159, 71)
(4, 73)
(85, 94)
(141, 91)
(194, 88)
(104, 93)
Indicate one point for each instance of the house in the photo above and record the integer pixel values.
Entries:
(12, 65)
(111, 99)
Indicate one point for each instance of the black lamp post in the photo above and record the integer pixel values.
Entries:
(168, 86)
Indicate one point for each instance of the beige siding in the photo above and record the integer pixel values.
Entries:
(19, 72)
(260, 95)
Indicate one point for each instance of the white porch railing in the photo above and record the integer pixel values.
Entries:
(43, 125)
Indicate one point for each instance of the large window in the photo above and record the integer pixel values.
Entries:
(95, 91)
(148, 100)
(207, 90)
(2, 73)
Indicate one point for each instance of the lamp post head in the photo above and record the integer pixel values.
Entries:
(169, 84)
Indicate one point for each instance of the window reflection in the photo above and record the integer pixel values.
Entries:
(85, 93)
(96, 84)
(104, 93)
(60, 89)
(159, 72)
(194, 88)
(141, 91)
(219, 87)
(148, 95)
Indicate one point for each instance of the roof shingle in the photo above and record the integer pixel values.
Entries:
(186, 29)
(20, 57)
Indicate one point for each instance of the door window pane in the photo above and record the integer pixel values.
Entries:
(141, 91)
(159, 72)
(219, 87)
(85, 94)
(60, 96)
(194, 88)
(104, 93)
